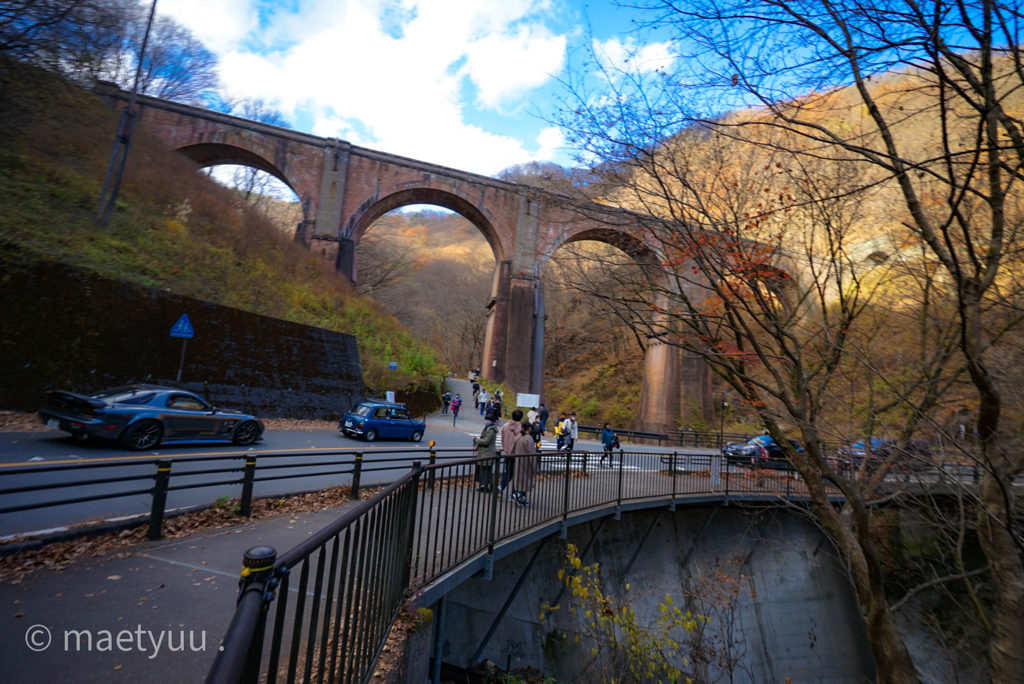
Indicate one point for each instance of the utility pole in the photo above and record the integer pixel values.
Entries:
(119, 155)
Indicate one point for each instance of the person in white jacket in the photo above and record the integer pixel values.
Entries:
(570, 431)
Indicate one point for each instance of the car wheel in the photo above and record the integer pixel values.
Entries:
(370, 435)
(143, 435)
(417, 435)
(246, 433)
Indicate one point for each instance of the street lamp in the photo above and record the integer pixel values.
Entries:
(721, 424)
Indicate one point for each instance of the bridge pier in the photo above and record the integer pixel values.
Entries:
(659, 392)
(514, 341)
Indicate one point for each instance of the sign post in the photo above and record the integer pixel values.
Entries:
(183, 329)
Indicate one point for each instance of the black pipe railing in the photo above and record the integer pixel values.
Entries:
(166, 475)
(428, 523)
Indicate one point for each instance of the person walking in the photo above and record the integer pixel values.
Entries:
(532, 416)
(560, 442)
(446, 399)
(456, 405)
(543, 419)
(509, 432)
(486, 447)
(525, 452)
(484, 400)
(570, 431)
(476, 394)
(535, 433)
(608, 442)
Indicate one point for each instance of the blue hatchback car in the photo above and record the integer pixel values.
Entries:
(373, 419)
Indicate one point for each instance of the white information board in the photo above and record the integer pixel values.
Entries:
(390, 397)
(527, 401)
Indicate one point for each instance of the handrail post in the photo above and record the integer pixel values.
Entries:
(247, 481)
(618, 498)
(156, 514)
(432, 475)
(257, 566)
(357, 472)
(672, 461)
(565, 498)
(410, 546)
(495, 497)
(726, 470)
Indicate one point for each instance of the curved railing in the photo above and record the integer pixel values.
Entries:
(337, 593)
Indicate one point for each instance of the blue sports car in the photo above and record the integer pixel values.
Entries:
(143, 416)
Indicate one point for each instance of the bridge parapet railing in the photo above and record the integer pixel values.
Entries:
(352, 575)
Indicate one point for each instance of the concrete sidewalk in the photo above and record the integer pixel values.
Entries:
(177, 593)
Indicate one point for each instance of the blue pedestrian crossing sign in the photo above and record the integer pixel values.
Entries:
(183, 328)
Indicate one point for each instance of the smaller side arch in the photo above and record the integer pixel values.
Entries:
(215, 154)
(636, 249)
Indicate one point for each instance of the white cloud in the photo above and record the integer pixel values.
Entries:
(622, 55)
(219, 24)
(550, 141)
(404, 72)
(503, 66)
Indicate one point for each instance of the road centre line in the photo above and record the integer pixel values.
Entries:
(173, 456)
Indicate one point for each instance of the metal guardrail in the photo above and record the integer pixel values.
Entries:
(353, 575)
(65, 485)
(681, 438)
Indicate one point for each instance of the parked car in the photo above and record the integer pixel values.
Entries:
(914, 456)
(373, 419)
(143, 416)
(759, 452)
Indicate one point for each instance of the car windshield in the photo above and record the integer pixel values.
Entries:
(361, 410)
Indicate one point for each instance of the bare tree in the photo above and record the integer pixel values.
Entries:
(87, 40)
(756, 271)
(950, 145)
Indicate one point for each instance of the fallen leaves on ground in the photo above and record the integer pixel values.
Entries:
(58, 555)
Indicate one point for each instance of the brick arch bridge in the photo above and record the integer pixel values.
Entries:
(344, 189)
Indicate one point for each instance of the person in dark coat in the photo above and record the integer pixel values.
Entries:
(608, 442)
(509, 432)
(486, 447)
(525, 452)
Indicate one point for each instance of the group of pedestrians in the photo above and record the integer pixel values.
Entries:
(567, 431)
(516, 466)
(521, 460)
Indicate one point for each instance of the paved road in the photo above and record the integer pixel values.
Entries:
(319, 452)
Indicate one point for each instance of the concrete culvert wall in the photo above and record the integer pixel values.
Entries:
(793, 613)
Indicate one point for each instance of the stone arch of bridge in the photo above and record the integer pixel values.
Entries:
(374, 208)
(216, 154)
(665, 368)
(639, 251)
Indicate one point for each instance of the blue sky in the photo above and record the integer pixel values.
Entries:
(462, 83)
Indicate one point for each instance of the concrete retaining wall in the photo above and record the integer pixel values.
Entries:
(63, 328)
(794, 614)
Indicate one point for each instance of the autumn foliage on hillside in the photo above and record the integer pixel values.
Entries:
(172, 228)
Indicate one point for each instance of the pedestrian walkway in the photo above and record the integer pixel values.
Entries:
(152, 613)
